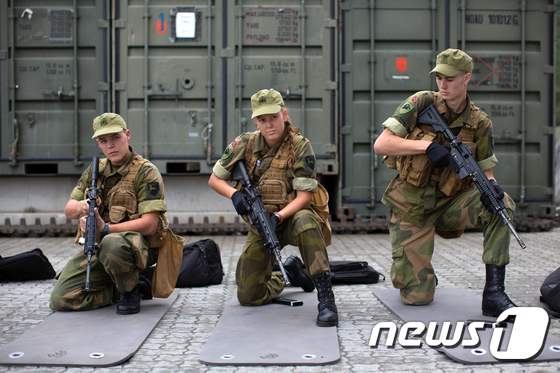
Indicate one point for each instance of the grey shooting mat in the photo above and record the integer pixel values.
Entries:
(86, 338)
(458, 304)
(273, 334)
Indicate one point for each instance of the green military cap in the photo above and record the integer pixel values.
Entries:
(266, 101)
(451, 62)
(108, 123)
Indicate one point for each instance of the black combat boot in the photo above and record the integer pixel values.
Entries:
(297, 274)
(145, 283)
(328, 314)
(494, 298)
(129, 302)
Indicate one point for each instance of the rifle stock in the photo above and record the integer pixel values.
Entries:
(465, 165)
(258, 216)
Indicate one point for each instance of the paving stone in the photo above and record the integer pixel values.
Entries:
(176, 342)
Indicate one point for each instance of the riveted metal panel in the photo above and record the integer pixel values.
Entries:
(388, 47)
(511, 43)
(289, 46)
(168, 85)
(50, 79)
(512, 46)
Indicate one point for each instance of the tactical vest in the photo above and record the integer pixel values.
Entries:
(275, 184)
(122, 203)
(418, 171)
(122, 206)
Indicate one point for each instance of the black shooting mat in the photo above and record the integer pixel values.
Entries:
(458, 304)
(274, 334)
(86, 338)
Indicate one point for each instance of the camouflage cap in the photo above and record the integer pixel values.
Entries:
(266, 101)
(107, 123)
(451, 62)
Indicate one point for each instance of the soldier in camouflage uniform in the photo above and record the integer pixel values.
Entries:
(282, 163)
(130, 221)
(427, 197)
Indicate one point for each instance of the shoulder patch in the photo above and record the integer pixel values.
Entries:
(309, 162)
(228, 153)
(153, 189)
(406, 108)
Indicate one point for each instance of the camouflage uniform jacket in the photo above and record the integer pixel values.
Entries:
(127, 192)
(279, 171)
(418, 184)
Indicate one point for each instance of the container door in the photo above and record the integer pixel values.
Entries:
(52, 83)
(387, 51)
(166, 84)
(513, 82)
(289, 46)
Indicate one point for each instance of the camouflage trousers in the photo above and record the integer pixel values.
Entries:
(413, 244)
(256, 283)
(115, 268)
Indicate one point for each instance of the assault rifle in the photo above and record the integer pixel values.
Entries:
(258, 216)
(465, 165)
(90, 246)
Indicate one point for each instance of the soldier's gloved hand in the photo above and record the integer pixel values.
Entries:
(240, 203)
(499, 194)
(438, 155)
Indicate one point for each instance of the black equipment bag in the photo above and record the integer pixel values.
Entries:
(27, 266)
(347, 272)
(550, 292)
(202, 265)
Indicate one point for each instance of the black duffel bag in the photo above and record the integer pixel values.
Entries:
(28, 266)
(347, 272)
(550, 292)
(201, 266)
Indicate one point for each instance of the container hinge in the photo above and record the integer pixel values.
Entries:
(227, 53)
(345, 68)
(120, 23)
(330, 85)
(120, 86)
(346, 130)
(102, 86)
(102, 23)
(548, 69)
(346, 5)
(330, 23)
(547, 130)
(3, 54)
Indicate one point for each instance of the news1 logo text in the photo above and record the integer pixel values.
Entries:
(529, 327)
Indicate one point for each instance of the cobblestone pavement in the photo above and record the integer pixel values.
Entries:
(175, 343)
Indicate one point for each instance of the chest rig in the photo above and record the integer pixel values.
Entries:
(121, 203)
(418, 171)
(275, 183)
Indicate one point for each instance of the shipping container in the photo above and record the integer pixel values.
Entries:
(387, 51)
(182, 74)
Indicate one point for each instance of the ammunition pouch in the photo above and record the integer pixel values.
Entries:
(416, 169)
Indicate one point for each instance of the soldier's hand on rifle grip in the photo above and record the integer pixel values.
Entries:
(240, 203)
(83, 207)
(499, 194)
(275, 220)
(438, 154)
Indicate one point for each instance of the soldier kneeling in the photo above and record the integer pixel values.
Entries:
(281, 162)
